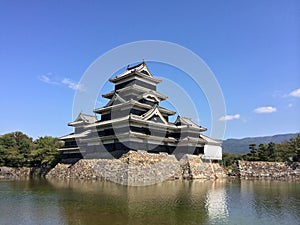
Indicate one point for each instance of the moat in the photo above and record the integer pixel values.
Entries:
(171, 202)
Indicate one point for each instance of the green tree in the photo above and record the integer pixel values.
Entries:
(228, 159)
(253, 154)
(17, 149)
(8, 141)
(271, 150)
(2, 155)
(45, 153)
(294, 148)
(14, 158)
(262, 152)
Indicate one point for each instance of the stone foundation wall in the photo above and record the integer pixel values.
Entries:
(193, 167)
(14, 173)
(139, 168)
(271, 170)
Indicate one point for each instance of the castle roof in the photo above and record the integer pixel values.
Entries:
(132, 103)
(135, 89)
(114, 99)
(140, 70)
(154, 112)
(141, 67)
(210, 140)
(83, 119)
(180, 121)
(77, 135)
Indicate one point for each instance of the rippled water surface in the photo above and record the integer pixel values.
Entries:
(171, 202)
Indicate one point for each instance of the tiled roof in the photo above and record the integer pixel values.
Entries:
(133, 103)
(75, 135)
(187, 121)
(88, 118)
(142, 68)
(114, 98)
(210, 140)
(83, 118)
(137, 89)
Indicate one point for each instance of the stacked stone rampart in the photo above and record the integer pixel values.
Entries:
(272, 170)
(15, 173)
(139, 168)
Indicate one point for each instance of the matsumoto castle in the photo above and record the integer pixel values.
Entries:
(134, 120)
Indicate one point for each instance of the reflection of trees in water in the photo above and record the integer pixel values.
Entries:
(274, 198)
(25, 201)
(88, 201)
(96, 202)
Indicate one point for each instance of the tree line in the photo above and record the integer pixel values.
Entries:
(17, 150)
(288, 151)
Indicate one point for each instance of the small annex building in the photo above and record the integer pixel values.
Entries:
(134, 120)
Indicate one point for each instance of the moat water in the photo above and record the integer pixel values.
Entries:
(171, 202)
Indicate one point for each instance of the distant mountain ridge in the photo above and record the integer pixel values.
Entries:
(241, 146)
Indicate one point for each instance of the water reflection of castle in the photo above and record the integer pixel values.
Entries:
(170, 202)
(134, 120)
(216, 202)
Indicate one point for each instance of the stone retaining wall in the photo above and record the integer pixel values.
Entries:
(21, 172)
(271, 170)
(139, 168)
(193, 167)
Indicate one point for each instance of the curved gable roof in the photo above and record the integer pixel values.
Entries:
(83, 119)
(115, 98)
(154, 112)
(188, 122)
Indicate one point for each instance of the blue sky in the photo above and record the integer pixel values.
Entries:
(253, 48)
